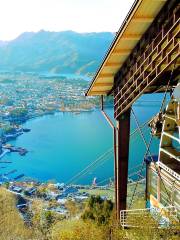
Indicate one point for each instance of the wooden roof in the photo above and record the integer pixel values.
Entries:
(139, 18)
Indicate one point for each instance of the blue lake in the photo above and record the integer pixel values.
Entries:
(63, 144)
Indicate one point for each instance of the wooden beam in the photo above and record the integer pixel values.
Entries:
(113, 64)
(122, 51)
(105, 75)
(103, 84)
(97, 92)
(122, 154)
(143, 19)
(131, 37)
(159, 0)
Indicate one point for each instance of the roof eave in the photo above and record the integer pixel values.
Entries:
(136, 2)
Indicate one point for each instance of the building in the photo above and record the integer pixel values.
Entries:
(143, 58)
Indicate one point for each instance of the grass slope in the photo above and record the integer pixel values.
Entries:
(12, 226)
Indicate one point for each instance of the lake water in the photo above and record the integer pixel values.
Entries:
(63, 144)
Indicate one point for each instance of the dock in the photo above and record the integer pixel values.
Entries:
(4, 153)
(19, 176)
(5, 161)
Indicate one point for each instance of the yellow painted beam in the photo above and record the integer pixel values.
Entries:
(159, 0)
(104, 75)
(113, 64)
(143, 19)
(122, 51)
(98, 92)
(103, 84)
(131, 37)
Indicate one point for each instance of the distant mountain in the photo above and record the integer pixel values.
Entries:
(56, 52)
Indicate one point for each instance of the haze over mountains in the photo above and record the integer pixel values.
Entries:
(55, 52)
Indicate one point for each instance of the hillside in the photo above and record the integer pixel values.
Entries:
(12, 225)
(56, 52)
(48, 226)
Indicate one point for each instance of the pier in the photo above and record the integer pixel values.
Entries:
(4, 153)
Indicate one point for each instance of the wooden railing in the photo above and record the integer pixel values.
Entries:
(156, 59)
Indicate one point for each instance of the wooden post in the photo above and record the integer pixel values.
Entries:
(122, 154)
(115, 167)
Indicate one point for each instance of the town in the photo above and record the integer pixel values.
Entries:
(24, 96)
(28, 95)
(54, 197)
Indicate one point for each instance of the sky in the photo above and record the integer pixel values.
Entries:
(18, 16)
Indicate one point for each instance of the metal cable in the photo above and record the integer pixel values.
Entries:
(165, 94)
(148, 146)
(148, 152)
(142, 167)
(109, 178)
(90, 165)
(86, 169)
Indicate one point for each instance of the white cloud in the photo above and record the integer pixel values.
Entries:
(17, 16)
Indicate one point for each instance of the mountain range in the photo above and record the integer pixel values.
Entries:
(55, 52)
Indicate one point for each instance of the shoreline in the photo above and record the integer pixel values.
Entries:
(67, 110)
(73, 111)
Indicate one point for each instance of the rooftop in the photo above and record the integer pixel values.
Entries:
(138, 20)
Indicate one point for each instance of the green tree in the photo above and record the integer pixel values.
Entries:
(98, 210)
(6, 185)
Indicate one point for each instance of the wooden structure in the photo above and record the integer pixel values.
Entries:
(140, 60)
